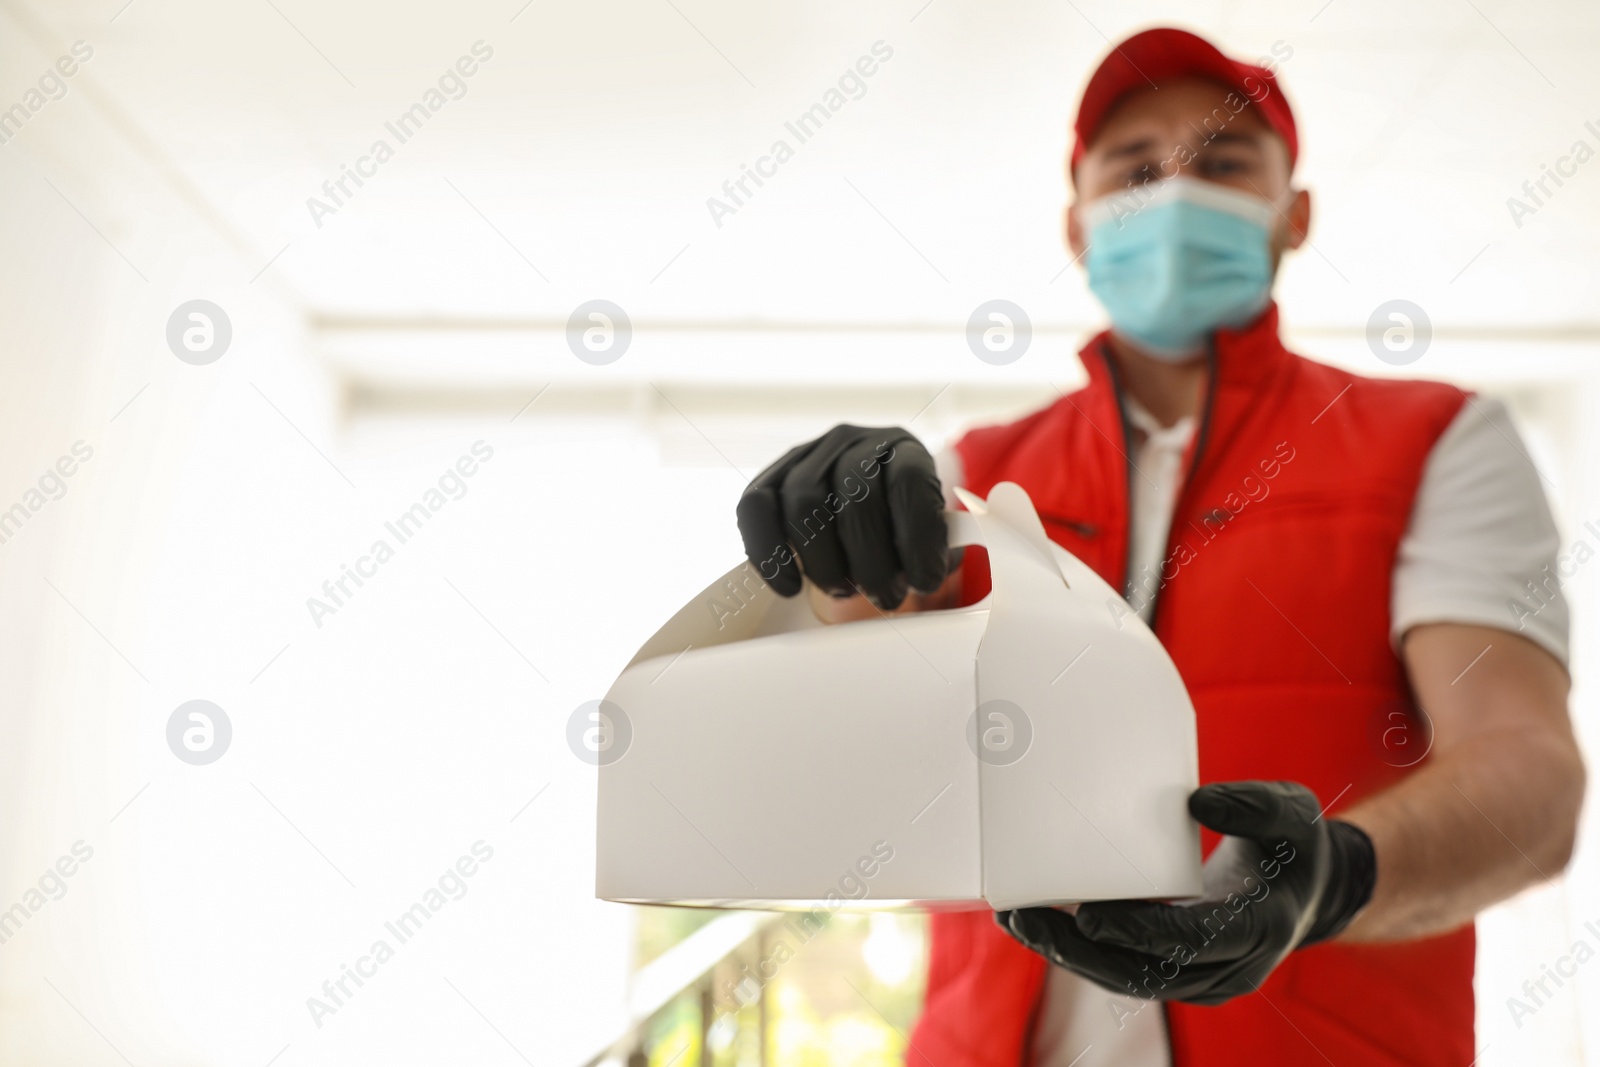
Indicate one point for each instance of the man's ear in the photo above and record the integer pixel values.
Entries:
(1299, 215)
(1073, 229)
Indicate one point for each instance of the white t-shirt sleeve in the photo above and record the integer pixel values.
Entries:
(1480, 530)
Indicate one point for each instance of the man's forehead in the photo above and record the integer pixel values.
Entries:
(1195, 111)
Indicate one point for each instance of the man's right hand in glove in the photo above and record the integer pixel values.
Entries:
(857, 511)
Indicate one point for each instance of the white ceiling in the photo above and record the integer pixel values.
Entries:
(584, 151)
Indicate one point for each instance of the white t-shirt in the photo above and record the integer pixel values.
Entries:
(1480, 531)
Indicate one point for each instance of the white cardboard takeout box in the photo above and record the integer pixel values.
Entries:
(1035, 748)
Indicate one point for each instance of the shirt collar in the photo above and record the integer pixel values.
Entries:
(1140, 419)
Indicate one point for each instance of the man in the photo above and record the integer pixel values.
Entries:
(1339, 566)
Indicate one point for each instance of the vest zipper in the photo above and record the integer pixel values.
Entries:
(1127, 457)
(1202, 434)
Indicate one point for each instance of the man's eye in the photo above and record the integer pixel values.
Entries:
(1226, 166)
(1142, 176)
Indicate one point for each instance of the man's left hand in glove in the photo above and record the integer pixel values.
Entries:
(1283, 878)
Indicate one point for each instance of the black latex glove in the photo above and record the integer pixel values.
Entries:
(1284, 878)
(862, 509)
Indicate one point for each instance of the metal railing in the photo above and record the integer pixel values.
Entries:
(691, 965)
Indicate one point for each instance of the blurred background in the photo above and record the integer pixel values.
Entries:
(356, 343)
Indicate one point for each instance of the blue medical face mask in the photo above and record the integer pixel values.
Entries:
(1175, 261)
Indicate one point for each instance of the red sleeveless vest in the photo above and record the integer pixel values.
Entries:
(1274, 604)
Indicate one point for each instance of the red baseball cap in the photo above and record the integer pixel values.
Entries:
(1153, 56)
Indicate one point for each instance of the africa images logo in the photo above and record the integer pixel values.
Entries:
(452, 85)
(802, 128)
